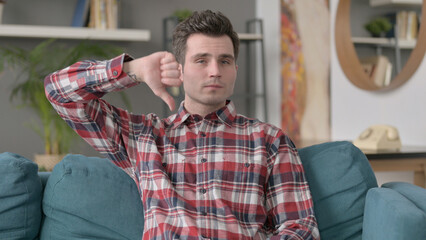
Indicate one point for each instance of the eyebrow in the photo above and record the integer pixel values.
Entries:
(198, 55)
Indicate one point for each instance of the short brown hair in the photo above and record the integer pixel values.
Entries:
(204, 22)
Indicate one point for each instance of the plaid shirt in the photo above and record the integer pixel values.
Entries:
(223, 176)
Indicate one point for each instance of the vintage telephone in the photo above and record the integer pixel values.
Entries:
(379, 137)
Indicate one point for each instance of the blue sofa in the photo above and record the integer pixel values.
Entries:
(90, 198)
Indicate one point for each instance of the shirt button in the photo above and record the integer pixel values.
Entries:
(203, 160)
(247, 165)
(164, 164)
(203, 191)
(203, 134)
(115, 73)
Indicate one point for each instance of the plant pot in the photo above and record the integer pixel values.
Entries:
(46, 162)
(380, 35)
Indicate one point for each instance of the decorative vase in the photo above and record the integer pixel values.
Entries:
(46, 162)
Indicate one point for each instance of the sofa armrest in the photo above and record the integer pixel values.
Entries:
(414, 193)
(391, 214)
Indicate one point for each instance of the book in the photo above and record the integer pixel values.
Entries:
(388, 74)
(104, 14)
(378, 69)
(412, 25)
(112, 14)
(401, 22)
(405, 25)
(81, 13)
(93, 11)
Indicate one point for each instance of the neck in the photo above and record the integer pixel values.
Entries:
(202, 109)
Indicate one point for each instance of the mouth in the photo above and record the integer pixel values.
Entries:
(215, 86)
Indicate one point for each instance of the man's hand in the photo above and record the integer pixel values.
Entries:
(158, 70)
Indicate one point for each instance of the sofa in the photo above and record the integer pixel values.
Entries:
(90, 198)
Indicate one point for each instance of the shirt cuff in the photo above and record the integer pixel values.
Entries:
(115, 70)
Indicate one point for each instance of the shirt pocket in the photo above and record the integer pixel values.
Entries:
(247, 170)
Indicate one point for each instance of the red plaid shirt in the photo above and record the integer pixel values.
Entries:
(223, 176)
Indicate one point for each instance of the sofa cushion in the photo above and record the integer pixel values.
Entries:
(387, 207)
(91, 198)
(339, 177)
(414, 193)
(20, 197)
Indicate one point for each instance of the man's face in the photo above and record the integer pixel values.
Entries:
(209, 72)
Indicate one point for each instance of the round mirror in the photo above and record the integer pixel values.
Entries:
(355, 69)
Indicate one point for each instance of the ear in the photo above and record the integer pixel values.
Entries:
(181, 72)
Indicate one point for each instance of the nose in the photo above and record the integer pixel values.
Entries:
(214, 70)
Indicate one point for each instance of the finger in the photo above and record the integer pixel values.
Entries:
(170, 74)
(168, 58)
(171, 82)
(169, 66)
(170, 102)
(167, 98)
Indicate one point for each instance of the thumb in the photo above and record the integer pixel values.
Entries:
(167, 98)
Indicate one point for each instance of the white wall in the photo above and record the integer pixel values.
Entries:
(270, 12)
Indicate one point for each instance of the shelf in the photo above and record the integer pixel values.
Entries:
(375, 3)
(34, 31)
(250, 36)
(385, 42)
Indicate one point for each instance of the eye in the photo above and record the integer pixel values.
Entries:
(226, 61)
(201, 60)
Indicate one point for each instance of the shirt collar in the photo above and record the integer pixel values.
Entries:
(226, 114)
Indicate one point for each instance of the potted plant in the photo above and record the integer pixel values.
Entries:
(378, 27)
(182, 14)
(33, 66)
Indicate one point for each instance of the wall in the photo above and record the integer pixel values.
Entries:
(16, 136)
(270, 12)
(353, 109)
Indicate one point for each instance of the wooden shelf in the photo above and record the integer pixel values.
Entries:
(34, 31)
(385, 42)
(375, 3)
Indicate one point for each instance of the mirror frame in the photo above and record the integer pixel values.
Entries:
(350, 63)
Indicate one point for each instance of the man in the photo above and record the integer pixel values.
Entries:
(204, 172)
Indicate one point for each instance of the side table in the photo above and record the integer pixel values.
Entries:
(408, 158)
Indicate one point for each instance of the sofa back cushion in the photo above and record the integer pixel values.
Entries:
(20, 197)
(91, 198)
(339, 177)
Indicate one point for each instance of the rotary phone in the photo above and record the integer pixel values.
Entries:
(379, 137)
